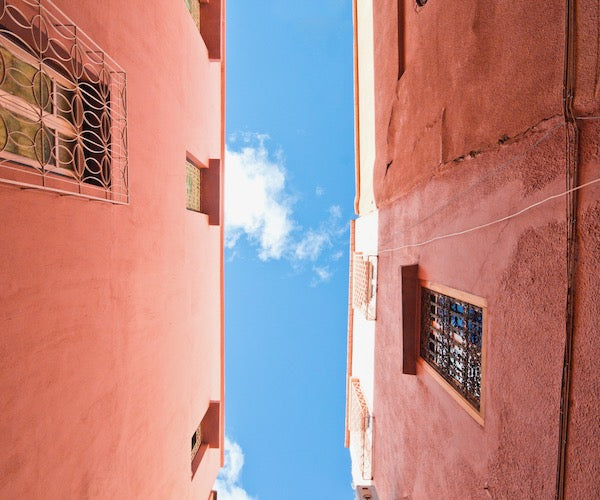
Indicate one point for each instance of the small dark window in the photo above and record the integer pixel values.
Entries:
(420, 3)
(207, 16)
(207, 435)
(401, 40)
(203, 188)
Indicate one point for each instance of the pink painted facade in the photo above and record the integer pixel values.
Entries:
(111, 314)
(464, 103)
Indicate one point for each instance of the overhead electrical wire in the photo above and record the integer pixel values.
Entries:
(487, 224)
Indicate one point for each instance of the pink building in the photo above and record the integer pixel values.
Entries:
(472, 345)
(111, 252)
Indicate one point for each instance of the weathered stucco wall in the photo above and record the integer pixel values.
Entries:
(472, 77)
(110, 315)
(474, 131)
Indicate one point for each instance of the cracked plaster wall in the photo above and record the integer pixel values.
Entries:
(472, 132)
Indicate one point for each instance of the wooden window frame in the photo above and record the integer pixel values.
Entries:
(19, 106)
(477, 415)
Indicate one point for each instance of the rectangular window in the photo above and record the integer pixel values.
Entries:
(207, 435)
(451, 342)
(203, 188)
(193, 184)
(401, 37)
(196, 440)
(364, 284)
(62, 107)
(207, 17)
(361, 431)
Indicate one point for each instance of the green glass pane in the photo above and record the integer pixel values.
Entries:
(64, 103)
(66, 151)
(25, 81)
(26, 138)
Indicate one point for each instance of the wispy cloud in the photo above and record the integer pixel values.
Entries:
(314, 241)
(258, 206)
(312, 244)
(322, 274)
(255, 199)
(228, 483)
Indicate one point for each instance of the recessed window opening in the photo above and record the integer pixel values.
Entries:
(193, 186)
(196, 440)
(206, 435)
(401, 38)
(451, 342)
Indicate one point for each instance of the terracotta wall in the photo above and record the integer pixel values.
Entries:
(110, 316)
(474, 131)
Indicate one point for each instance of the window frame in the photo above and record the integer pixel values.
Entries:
(364, 298)
(192, 163)
(86, 88)
(207, 435)
(52, 120)
(425, 367)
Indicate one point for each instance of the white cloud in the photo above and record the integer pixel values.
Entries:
(258, 206)
(227, 484)
(312, 244)
(335, 212)
(323, 274)
(337, 255)
(256, 203)
(314, 241)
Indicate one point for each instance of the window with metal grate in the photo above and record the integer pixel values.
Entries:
(207, 17)
(364, 284)
(193, 186)
(63, 115)
(452, 332)
(206, 436)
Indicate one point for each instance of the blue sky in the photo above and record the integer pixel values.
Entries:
(289, 195)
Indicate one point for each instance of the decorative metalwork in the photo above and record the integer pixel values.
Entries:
(360, 426)
(63, 112)
(193, 179)
(364, 284)
(451, 339)
(196, 441)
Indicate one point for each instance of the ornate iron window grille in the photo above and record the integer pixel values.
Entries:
(196, 441)
(451, 340)
(361, 431)
(63, 106)
(193, 186)
(364, 284)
